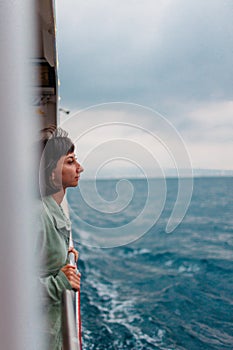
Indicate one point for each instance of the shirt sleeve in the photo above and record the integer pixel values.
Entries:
(53, 286)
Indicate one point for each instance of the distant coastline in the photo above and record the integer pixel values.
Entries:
(168, 173)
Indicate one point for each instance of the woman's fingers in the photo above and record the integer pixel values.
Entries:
(72, 276)
(71, 249)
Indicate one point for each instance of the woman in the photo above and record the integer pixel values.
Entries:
(59, 170)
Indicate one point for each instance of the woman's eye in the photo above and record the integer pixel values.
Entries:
(71, 160)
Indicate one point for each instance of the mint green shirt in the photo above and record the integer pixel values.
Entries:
(53, 249)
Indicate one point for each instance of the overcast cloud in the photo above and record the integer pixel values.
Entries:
(174, 56)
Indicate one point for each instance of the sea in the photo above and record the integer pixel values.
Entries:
(158, 290)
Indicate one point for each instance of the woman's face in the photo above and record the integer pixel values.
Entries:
(67, 172)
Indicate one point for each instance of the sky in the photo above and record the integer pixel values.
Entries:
(163, 67)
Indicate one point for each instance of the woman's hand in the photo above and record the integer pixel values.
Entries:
(71, 274)
(72, 250)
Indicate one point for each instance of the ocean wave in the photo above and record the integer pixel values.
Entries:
(167, 292)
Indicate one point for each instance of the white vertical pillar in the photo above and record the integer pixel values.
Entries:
(18, 317)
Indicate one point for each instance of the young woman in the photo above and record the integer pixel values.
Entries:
(59, 170)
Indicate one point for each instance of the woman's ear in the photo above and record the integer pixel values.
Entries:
(53, 176)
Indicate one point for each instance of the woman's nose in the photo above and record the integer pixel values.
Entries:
(80, 169)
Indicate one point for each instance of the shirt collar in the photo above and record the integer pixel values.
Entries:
(60, 219)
